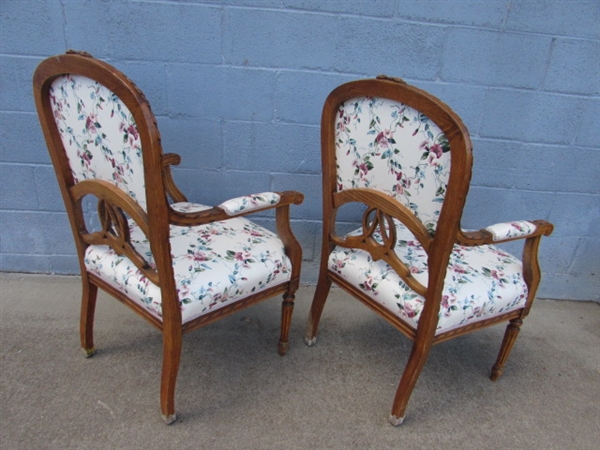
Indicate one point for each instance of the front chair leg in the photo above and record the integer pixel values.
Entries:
(86, 321)
(287, 307)
(510, 336)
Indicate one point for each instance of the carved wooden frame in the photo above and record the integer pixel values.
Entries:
(438, 247)
(115, 207)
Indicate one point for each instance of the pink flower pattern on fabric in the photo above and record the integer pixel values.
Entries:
(99, 134)
(481, 281)
(214, 264)
(394, 149)
(511, 230)
(248, 203)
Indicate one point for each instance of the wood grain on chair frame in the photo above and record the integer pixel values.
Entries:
(145, 218)
(407, 157)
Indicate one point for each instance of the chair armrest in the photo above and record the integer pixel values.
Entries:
(239, 206)
(505, 232)
(250, 203)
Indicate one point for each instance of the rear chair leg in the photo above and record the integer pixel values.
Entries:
(86, 321)
(510, 336)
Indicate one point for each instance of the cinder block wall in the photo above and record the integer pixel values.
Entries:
(238, 86)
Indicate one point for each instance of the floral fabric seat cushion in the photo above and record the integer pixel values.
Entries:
(481, 282)
(214, 265)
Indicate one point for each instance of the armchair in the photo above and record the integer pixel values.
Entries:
(406, 157)
(177, 264)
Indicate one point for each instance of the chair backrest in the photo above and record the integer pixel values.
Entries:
(407, 156)
(99, 134)
(98, 124)
(386, 145)
(103, 141)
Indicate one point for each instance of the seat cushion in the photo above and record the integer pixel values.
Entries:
(481, 282)
(214, 265)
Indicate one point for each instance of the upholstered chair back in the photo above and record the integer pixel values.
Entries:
(388, 146)
(99, 134)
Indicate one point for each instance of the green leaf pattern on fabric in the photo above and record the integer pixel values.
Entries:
(481, 281)
(99, 134)
(393, 148)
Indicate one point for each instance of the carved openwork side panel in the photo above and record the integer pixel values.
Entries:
(376, 221)
(114, 224)
(116, 210)
(115, 233)
(378, 237)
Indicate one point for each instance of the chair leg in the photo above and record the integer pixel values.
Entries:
(86, 321)
(414, 366)
(316, 309)
(510, 336)
(171, 356)
(287, 307)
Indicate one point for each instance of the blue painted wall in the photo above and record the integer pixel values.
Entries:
(238, 85)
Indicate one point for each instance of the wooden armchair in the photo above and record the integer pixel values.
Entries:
(406, 157)
(177, 264)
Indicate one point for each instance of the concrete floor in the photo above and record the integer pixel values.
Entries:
(235, 392)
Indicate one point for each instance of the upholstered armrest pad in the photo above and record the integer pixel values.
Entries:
(504, 232)
(511, 230)
(249, 203)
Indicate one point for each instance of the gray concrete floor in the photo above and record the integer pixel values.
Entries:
(235, 392)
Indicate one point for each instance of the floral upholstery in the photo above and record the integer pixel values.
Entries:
(409, 261)
(390, 147)
(511, 230)
(481, 281)
(393, 148)
(249, 203)
(214, 265)
(99, 134)
(180, 266)
(102, 142)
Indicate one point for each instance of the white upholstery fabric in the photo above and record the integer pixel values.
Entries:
(248, 203)
(394, 149)
(99, 134)
(511, 230)
(214, 265)
(481, 282)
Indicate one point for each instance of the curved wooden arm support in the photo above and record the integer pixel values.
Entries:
(532, 273)
(168, 160)
(113, 205)
(379, 217)
(483, 236)
(215, 213)
(293, 249)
